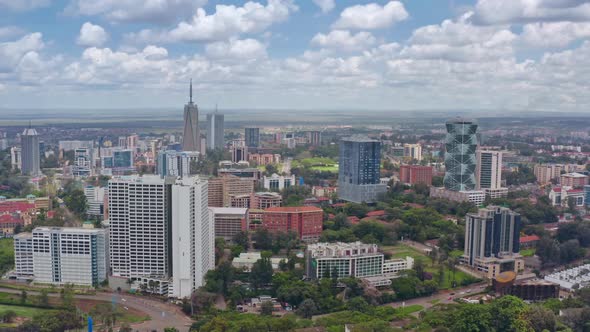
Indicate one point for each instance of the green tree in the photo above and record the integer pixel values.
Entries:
(541, 319)
(307, 308)
(170, 329)
(8, 316)
(266, 308)
(23, 296)
(261, 273)
(471, 318)
(241, 239)
(44, 298)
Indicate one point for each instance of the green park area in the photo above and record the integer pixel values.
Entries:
(318, 164)
(528, 252)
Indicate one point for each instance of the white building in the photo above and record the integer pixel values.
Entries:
(567, 279)
(476, 197)
(83, 162)
(560, 196)
(160, 230)
(63, 255)
(15, 158)
(73, 145)
(278, 182)
(413, 151)
(193, 239)
(23, 255)
(95, 198)
(174, 163)
(356, 260)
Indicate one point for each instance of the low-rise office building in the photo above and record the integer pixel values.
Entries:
(229, 221)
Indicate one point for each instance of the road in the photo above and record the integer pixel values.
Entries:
(443, 296)
(162, 314)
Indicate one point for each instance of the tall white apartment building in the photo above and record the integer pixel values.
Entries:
(23, 255)
(488, 173)
(63, 255)
(95, 198)
(193, 237)
(16, 158)
(174, 163)
(160, 230)
(83, 162)
(413, 151)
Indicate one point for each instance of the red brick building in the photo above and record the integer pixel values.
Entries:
(306, 221)
(412, 174)
(574, 180)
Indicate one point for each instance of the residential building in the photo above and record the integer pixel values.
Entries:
(259, 200)
(359, 170)
(306, 221)
(264, 159)
(223, 187)
(460, 157)
(64, 255)
(252, 136)
(492, 241)
(175, 163)
(191, 138)
(574, 180)
(16, 158)
(278, 182)
(215, 131)
(229, 221)
(356, 259)
(413, 174)
(23, 255)
(30, 153)
(476, 197)
(95, 199)
(193, 237)
(239, 153)
(413, 151)
(319, 191)
(560, 196)
(546, 173)
(314, 137)
(83, 162)
(489, 169)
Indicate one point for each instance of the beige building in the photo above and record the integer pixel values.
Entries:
(548, 172)
(222, 188)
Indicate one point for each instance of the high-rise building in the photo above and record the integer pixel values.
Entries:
(191, 140)
(252, 137)
(95, 198)
(215, 129)
(239, 153)
(63, 255)
(314, 137)
(193, 237)
(413, 151)
(16, 158)
(160, 229)
(492, 241)
(30, 154)
(413, 174)
(174, 163)
(23, 255)
(489, 169)
(546, 173)
(83, 162)
(359, 170)
(460, 158)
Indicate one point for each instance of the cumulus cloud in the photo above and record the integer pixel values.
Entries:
(526, 11)
(23, 5)
(553, 34)
(92, 35)
(371, 16)
(325, 5)
(151, 11)
(11, 53)
(247, 49)
(343, 40)
(10, 31)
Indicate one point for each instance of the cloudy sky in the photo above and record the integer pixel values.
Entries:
(296, 54)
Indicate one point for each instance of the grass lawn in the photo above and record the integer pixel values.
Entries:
(528, 252)
(402, 250)
(456, 253)
(6, 254)
(409, 309)
(27, 312)
(332, 169)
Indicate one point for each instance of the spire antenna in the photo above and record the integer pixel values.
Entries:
(191, 91)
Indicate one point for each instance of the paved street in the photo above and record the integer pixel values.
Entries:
(162, 314)
(442, 296)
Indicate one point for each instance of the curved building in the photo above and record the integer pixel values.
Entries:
(460, 158)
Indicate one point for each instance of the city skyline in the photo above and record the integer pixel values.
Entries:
(467, 54)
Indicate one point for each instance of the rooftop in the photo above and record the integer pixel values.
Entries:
(68, 230)
(228, 210)
(294, 209)
(360, 139)
(574, 175)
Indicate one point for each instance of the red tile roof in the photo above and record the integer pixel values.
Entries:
(377, 213)
(9, 218)
(529, 238)
(10, 207)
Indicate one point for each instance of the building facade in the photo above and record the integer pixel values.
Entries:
(222, 188)
(191, 137)
(413, 151)
(489, 169)
(359, 170)
(278, 182)
(492, 241)
(574, 180)
(413, 174)
(252, 136)
(460, 158)
(16, 158)
(229, 221)
(215, 131)
(314, 137)
(63, 255)
(23, 256)
(306, 221)
(546, 173)
(174, 163)
(83, 162)
(30, 153)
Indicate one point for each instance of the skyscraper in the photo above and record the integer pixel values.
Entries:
(191, 138)
(358, 174)
(489, 169)
(215, 130)
(252, 137)
(31, 158)
(492, 240)
(460, 158)
(160, 230)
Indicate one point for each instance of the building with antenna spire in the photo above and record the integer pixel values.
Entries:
(191, 136)
(215, 129)
(30, 153)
